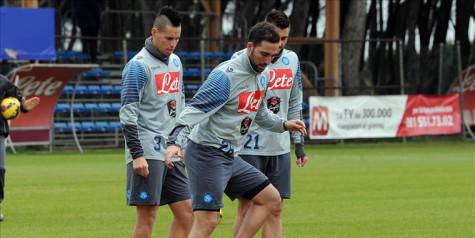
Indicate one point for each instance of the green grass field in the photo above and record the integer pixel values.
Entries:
(419, 189)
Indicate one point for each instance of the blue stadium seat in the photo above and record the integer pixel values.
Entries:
(103, 126)
(68, 89)
(61, 127)
(91, 107)
(86, 126)
(97, 73)
(93, 89)
(192, 72)
(77, 126)
(104, 107)
(305, 106)
(117, 89)
(78, 107)
(192, 87)
(81, 89)
(62, 107)
(115, 107)
(115, 125)
(120, 54)
(72, 55)
(227, 55)
(107, 89)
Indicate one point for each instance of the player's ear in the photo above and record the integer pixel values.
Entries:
(250, 45)
(154, 30)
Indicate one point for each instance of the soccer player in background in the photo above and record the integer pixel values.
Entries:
(269, 151)
(219, 117)
(152, 95)
(8, 89)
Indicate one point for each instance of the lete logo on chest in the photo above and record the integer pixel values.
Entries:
(167, 83)
(280, 79)
(250, 101)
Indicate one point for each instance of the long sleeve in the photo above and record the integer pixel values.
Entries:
(133, 80)
(212, 95)
(295, 104)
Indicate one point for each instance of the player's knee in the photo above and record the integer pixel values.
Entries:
(146, 216)
(276, 207)
(186, 218)
(208, 224)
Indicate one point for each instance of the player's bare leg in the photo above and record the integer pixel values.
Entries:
(264, 203)
(243, 206)
(146, 216)
(204, 223)
(272, 227)
(182, 219)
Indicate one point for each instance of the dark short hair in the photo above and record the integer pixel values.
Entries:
(278, 19)
(263, 31)
(167, 16)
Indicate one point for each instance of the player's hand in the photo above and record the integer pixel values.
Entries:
(171, 151)
(302, 161)
(302, 158)
(296, 125)
(31, 103)
(140, 166)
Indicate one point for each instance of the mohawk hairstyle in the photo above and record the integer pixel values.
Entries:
(278, 19)
(167, 16)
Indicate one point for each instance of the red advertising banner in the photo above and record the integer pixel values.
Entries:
(427, 115)
(467, 80)
(47, 82)
(469, 107)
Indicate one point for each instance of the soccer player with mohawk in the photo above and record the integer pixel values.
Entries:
(152, 95)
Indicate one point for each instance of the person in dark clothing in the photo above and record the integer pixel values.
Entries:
(8, 89)
(88, 18)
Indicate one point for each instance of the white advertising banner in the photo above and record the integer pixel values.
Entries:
(355, 116)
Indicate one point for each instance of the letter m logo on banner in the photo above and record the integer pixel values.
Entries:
(319, 121)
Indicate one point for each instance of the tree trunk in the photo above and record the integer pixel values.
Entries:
(463, 11)
(298, 21)
(429, 84)
(353, 29)
(412, 59)
(368, 66)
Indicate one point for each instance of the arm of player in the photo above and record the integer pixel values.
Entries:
(272, 122)
(211, 96)
(295, 112)
(133, 80)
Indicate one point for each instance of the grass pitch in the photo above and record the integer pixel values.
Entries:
(419, 189)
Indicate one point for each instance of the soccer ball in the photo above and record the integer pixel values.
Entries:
(10, 108)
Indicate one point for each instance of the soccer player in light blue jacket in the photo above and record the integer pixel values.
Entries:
(152, 96)
(269, 151)
(219, 117)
